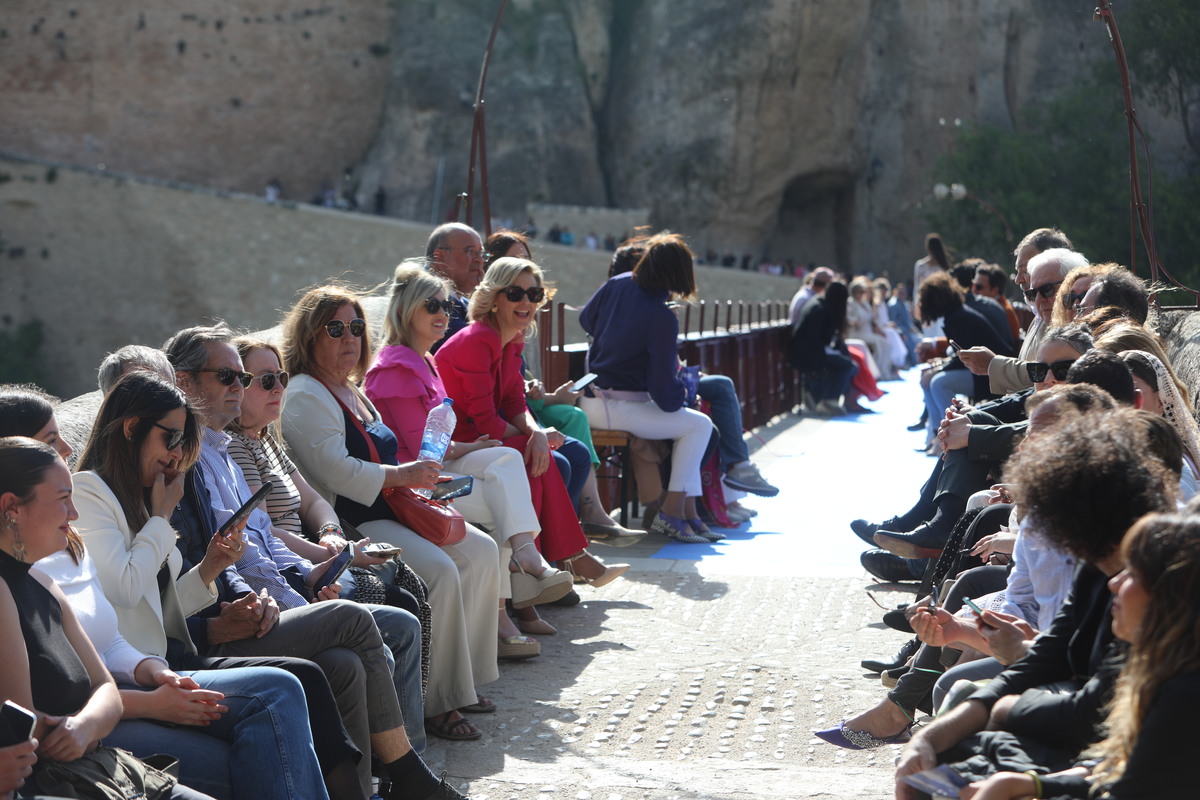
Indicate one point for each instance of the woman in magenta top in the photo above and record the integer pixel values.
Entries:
(481, 368)
(404, 385)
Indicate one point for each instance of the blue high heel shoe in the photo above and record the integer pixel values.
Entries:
(860, 740)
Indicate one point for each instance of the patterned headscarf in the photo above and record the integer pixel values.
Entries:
(1174, 407)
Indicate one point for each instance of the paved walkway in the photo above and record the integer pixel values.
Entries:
(704, 671)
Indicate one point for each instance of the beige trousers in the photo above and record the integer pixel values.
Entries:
(499, 500)
(464, 583)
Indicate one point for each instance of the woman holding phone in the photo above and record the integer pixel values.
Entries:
(47, 663)
(1151, 736)
(404, 385)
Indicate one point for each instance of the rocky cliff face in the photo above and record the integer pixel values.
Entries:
(798, 128)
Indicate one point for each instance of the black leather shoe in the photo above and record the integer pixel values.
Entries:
(897, 620)
(865, 530)
(900, 659)
(885, 566)
(924, 542)
(916, 426)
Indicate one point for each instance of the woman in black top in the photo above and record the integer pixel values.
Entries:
(47, 662)
(818, 351)
(1152, 737)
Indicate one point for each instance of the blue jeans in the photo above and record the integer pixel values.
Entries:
(726, 413)
(833, 380)
(261, 748)
(942, 388)
(575, 465)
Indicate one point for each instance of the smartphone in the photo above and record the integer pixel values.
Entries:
(955, 345)
(448, 490)
(339, 565)
(16, 724)
(381, 550)
(579, 385)
(240, 515)
(975, 609)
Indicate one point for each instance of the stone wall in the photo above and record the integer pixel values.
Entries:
(105, 260)
(792, 128)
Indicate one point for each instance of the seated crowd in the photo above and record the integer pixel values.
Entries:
(304, 648)
(1055, 547)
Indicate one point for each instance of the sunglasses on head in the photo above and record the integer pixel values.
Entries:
(515, 293)
(433, 306)
(1045, 290)
(174, 436)
(267, 380)
(226, 376)
(1037, 370)
(336, 328)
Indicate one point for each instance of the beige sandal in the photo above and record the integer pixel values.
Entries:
(530, 590)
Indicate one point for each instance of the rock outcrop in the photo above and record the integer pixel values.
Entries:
(795, 128)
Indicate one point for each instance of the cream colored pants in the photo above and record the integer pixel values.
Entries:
(464, 583)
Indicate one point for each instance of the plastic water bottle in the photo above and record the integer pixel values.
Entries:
(375, 795)
(439, 426)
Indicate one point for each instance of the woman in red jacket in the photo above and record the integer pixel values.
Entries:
(480, 367)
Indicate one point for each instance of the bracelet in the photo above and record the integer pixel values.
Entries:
(1037, 782)
(329, 527)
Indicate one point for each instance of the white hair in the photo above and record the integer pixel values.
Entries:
(1067, 260)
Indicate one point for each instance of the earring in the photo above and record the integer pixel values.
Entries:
(20, 553)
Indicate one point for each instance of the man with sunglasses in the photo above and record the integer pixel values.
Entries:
(455, 252)
(1044, 258)
(249, 623)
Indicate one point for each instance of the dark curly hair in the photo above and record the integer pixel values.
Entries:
(938, 296)
(1087, 479)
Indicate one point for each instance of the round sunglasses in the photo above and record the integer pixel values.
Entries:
(433, 306)
(173, 437)
(226, 376)
(515, 293)
(336, 328)
(268, 379)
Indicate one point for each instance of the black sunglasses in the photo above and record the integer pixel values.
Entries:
(174, 436)
(226, 376)
(1071, 299)
(335, 328)
(534, 293)
(433, 306)
(267, 380)
(1045, 290)
(1037, 370)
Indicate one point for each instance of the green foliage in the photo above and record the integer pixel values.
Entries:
(20, 353)
(1067, 166)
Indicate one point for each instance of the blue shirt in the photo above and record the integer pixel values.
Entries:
(634, 341)
(265, 554)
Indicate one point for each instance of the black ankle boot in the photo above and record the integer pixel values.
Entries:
(900, 659)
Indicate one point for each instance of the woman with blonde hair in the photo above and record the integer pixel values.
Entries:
(339, 442)
(480, 367)
(404, 384)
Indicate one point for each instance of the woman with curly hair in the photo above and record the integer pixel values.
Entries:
(1151, 737)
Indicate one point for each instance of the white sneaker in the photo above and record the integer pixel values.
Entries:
(745, 477)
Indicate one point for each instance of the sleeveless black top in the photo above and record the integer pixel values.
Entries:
(60, 682)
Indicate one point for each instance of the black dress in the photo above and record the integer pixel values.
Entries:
(60, 683)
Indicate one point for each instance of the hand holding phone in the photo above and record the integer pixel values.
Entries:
(16, 724)
(243, 513)
(457, 487)
(336, 566)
